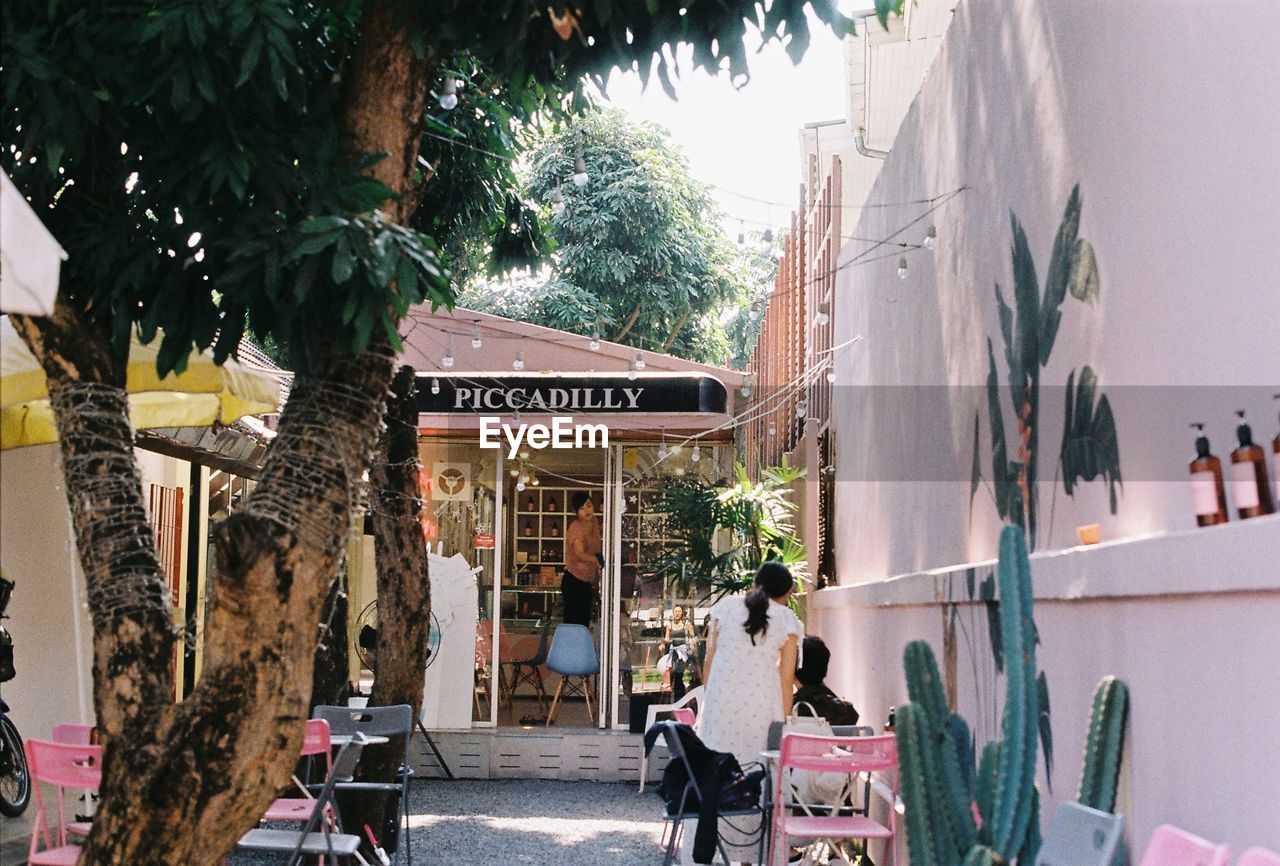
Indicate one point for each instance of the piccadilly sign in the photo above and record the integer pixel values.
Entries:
(557, 395)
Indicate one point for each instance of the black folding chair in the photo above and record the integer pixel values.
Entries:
(393, 721)
(693, 794)
(318, 837)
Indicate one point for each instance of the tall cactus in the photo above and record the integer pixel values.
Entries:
(1012, 805)
(1104, 745)
(939, 784)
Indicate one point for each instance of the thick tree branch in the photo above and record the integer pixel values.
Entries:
(635, 314)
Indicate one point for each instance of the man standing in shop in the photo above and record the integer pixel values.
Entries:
(582, 561)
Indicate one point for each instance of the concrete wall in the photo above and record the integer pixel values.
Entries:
(1161, 121)
(49, 621)
(1187, 620)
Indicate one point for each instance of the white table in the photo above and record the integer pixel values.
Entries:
(370, 739)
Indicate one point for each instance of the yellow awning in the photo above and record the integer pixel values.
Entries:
(205, 393)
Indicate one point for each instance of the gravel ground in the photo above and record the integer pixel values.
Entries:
(529, 821)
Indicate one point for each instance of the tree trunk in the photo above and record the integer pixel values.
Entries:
(182, 782)
(679, 326)
(626, 329)
(404, 588)
(330, 682)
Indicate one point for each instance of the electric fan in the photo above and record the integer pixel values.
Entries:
(366, 631)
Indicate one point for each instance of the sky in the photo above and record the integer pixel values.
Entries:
(746, 142)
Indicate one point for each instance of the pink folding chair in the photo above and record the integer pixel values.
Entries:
(316, 741)
(63, 765)
(844, 755)
(73, 734)
(1170, 846)
(1259, 857)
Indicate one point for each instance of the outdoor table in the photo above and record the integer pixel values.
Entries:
(339, 740)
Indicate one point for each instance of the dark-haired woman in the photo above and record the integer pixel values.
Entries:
(582, 547)
(750, 675)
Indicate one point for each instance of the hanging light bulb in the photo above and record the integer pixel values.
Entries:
(631, 371)
(802, 408)
(902, 268)
(662, 449)
(579, 171)
(449, 95)
(773, 428)
(745, 390)
(557, 202)
(679, 471)
(824, 311)
(766, 240)
(520, 486)
(594, 345)
(930, 238)
(524, 477)
(742, 236)
(518, 363)
(524, 453)
(476, 342)
(639, 361)
(435, 385)
(447, 360)
(831, 375)
(514, 471)
(696, 455)
(535, 481)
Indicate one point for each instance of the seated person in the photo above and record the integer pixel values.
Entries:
(810, 674)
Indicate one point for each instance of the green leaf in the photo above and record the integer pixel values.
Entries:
(1061, 264)
(1090, 445)
(344, 264)
(1085, 283)
(363, 329)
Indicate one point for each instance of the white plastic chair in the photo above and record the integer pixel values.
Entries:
(693, 696)
(1081, 836)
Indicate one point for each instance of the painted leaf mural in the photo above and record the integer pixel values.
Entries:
(1089, 445)
(1029, 328)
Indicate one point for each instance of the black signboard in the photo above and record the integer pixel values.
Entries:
(569, 395)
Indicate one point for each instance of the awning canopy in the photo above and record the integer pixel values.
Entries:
(203, 394)
(30, 258)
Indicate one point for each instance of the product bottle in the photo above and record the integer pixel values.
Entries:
(888, 725)
(1207, 491)
(528, 528)
(1249, 486)
(1275, 461)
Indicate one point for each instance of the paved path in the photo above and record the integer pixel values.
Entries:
(526, 821)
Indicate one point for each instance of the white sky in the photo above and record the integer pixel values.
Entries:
(746, 141)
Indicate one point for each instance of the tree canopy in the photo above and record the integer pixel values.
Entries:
(640, 256)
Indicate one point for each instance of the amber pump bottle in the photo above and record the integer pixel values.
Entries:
(1275, 460)
(1249, 486)
(1207, 491)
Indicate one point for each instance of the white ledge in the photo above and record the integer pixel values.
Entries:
(1242, 556)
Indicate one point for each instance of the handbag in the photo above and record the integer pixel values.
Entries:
(814, 787)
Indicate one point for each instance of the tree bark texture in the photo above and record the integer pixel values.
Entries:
(330, 681)
(182, 781)
(404, 588)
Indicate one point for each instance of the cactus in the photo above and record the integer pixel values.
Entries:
(1104, 744)
(939, 785)
(1011, 809)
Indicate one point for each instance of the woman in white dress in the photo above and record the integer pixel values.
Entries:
(750, 677)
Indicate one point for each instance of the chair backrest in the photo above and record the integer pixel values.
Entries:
(572, 652)
(672, 738)
(1170, 846)
(1081, 836)
(343, 770)
(316, 739)
(66, 765)
(73, 733)
(838, 754)
(1259, 857)
(544, 641)
(371, 721)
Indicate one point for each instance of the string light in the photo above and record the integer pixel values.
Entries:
(747, 383)
(802, 407)
(662, 449)
(631, 371)
(447, 360)
(518, 363)
(696, 455)
(823, 314)
(594, 345)
(435, 385)
(902, 268)
(930, 238)
(476, 342)
(449, 95)
(580, 176)
(520, 486)
(639, 362)
(742, 236)
(773, 428)
(514, 471)
(831, 375)
(557, 202)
